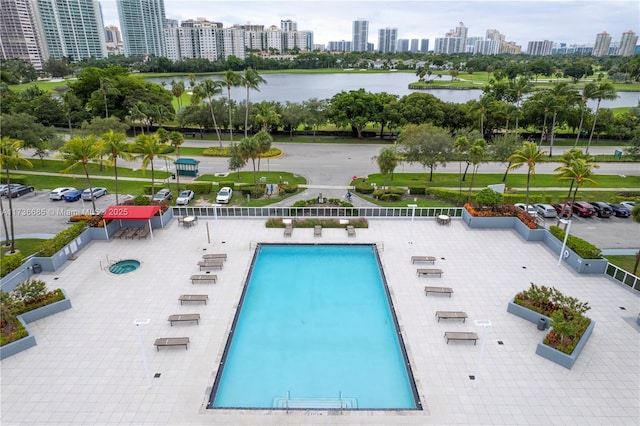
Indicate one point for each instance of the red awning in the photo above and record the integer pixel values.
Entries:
(130, 212)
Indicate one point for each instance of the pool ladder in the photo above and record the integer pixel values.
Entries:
(329, 403)
(109, 263)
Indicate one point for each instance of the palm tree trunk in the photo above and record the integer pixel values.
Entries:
(504, 177)
(593, 128)
(579, 127)
(153, 181)
(246, 114)
(93, 200)
(4, 223)
(230, 123)
(464, 176)
(13, 237)
(115, 172)
(553, 133)
(544, 124)
(528, 181)
(215, 123)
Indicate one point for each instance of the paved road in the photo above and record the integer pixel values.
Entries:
(328, 169)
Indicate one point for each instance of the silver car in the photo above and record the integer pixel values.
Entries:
(545, 210)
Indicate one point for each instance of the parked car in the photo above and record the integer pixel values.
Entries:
(602, 209)
(527, 208)
(97, 193)
(619, 210)
(4, 189)
(628, 204)
(562, 210)
(58, 193)
(584, 209)
(163, 194)
(224, 195)
(73, 195)
(545, 210)
(185, 197)
(21, 190)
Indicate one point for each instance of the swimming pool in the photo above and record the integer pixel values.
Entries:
(315, 329)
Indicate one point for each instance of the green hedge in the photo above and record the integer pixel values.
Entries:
(17, 179)
(364, 188)
(290, 188)
(231, 184)
(51, 246)
(583, 248)
(200, 187)
(10, 262)
(417, 190)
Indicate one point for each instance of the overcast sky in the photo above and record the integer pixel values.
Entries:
(575, 21)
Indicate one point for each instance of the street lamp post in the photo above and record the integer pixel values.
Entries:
(138, 323)
(566, 235)
(215, 217)
(413, 215)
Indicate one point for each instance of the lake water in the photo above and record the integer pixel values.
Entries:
(302, 87)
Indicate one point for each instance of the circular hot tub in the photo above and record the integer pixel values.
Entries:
(124, 266)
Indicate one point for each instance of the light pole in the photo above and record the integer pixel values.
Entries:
(215, 217)
(138, 323)
(413, 215)
(485, 324)
(566, 235)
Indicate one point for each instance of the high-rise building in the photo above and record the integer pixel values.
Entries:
(628, 44)
(288, 25)
(486, 47)
(19, 35)
(454, 41)
(360, 37)
(403, 45)
(424, 45)
(471, 44)
(72, 29)
(142, 23)
(340, 46)
(540, 48)
(414, 46)
(387, 40)
(601, 48)
(113, 40)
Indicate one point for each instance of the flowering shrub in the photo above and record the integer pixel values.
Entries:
(506, 210)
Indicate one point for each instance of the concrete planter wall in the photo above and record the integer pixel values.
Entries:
(561, 358)
(543, 350)
(527, 233)
(34, 315)
(490, 222)
(571, 258)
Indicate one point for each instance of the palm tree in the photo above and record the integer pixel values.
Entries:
(149, 148)
(10, 157)
(267, 115)
(251, 80)
(115, 146)
(483, 106)
(519, 87)
(563, 95)
(603, 90)
(177, 90)
(587, 93)
(70, 102)
(530, 155)
(548, 103)
(250, 150)
(231, 79)
(208, 89)
(79, 152)
(137, 114)
(570, 155)
(578, 171)
(476, 155)
(107, 87)
(420, 73)
(176, 140)
(461, 146)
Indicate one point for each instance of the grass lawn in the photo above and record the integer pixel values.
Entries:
(247, 177)
(26, 246)
(56, 166)
(625, 262)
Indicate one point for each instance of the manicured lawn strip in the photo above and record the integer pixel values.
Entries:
(247, 177)
(625, 262)
(56, 166)
(452, 180)
(45, 182)
(26, 246)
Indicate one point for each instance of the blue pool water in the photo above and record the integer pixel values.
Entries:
(315, 330)
(124, 266)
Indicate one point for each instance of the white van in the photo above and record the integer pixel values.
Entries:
(58, 193)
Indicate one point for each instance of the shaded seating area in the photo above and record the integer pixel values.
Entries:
(184, 317)
(461, 335)
(172, 341)
(138, 214)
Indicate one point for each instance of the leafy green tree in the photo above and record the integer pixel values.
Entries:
(99, 126)
(425, 144)
(487, 197)
(421, 108)
(148, 147)
(249, 149)
(633, 148)
(502, 147)
(355, 108)
(236, 160)
(387, 112)
(602, 90)
(387, 162)
(107, 88)
(528, 155)
(41, 105)
(207, 90)
(316, 113)
(461, 147)
(250, 80)
(10, 157)
(293, 115)
(267, 115)
(79, 152)
(24, 127)
(115, 146)
(71, 103)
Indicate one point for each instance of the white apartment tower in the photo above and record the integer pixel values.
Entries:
(20, 37)
(142, 23)
(387, 40)
(540, 48)
(360, 35)
(628, 43)
(603, 41)
(288, 25)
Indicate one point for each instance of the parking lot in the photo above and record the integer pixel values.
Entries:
(35, 213)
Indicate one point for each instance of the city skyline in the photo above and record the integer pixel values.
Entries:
(571, 22)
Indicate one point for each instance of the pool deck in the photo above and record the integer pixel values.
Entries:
(88, 366)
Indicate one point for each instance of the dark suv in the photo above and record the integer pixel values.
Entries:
(584, 209)
(602, 209)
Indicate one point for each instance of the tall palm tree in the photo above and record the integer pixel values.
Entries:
(231, 79)
(177, 90)
(176, 140)
(249, 149)
(530, 155)
(603, 90)
(573, 154)
(519, 87)
(267, 115)
(563, 95)
(548, 103)
(137, 114)
(251, 80)
(483, 105)
(476, 155)
(79, 152)
(578, 171)
(107, 87)
(461, 146)
(588, 92)
(148, 147)
(10, 157)
(208, 89)
(115, 146)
